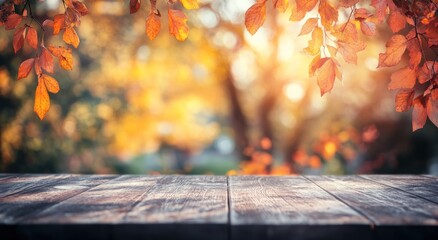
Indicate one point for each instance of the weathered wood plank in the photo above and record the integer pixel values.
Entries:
(107, 203)
(13, 184)
(423, 187)
(264, 207)
(397, 214)
(45, 193)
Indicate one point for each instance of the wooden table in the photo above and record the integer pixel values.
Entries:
(218, 207)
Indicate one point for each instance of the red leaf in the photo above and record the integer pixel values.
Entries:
(153, 25)
(425, 73)
(37, 67)
(25, 67)
(80, 7)
(396, 21)
(48, 23)
(72, 17)
(134, 5)
(361, 14)
(419, 114)
(395, 48)
(308, 26)
(46, 60)
(380, 6)
(178, 24)
(432, 110)
(32, 37)
(255, 17)
(415, 54)
(42, 100)
(403, 100)
(13, 21)
(368, 28)
(18, 39)
(402, 79)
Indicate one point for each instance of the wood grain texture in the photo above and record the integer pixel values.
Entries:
(421, 186)
(263, 207)
(382, 204)
(42, 194)
(109, 202)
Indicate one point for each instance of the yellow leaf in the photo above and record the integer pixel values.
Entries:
(190, 4)
(178, 24)
(71, 37)
(42, 100)
(51, 84)
(316, 42)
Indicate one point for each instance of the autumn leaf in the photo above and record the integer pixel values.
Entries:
(368, 28)
(308, 26)
(13, 21)
(326, 75)
(295, 14)
(58, 23)
(425, 73)
(281, 5)
(348, 50)
(25, 68)
(403, 100)
(415, 54)
(32, 37)
(432, 110)
(153, 25)
(80, 7)
(46, 60)
(361, 14)
(42, 100)
(71, 37)
(18, 40)
(328, 13)
(51, 84)
(64, 56)
(134, 5)
(37, 67)
(347, 3)
(402, 79)
(72, 17)
(316, 42)
(190, 4)
(396, 21)
(178, 24)
(255, 17)
(48, 23)
(419, 114)
(395, 48)
(306, 5)
(380, 6)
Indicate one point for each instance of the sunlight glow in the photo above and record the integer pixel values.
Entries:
(294, 91)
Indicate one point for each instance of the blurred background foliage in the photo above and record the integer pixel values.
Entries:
(222, 102)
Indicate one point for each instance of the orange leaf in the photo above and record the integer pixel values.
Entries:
(368, 28)
(46, 60)
(25, 67)
(190, 4)
(361, 14)
(329, 14)
(347, 3)
(296, 15)
(419, 114)
(71, 37)
(395, 48)
(425, 73)
(153, 25)
(308, 26)
(32, 37)
(72, 17)
(316, 42)
(178, 24)
(396, 21)
(281, 5)
(403, 100)
(13, 21)
(349, 50)
(306, 5)
(326, 75)
(255, 17)
(134, 5)
(64, 56)
(18, 39)
(80, 7)
(48, 23)
(432, 110)
(380, 6)
(37, 67)
(402, 79)
(415, 54)
(51, 84)
(58, 23)
(42, 100)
